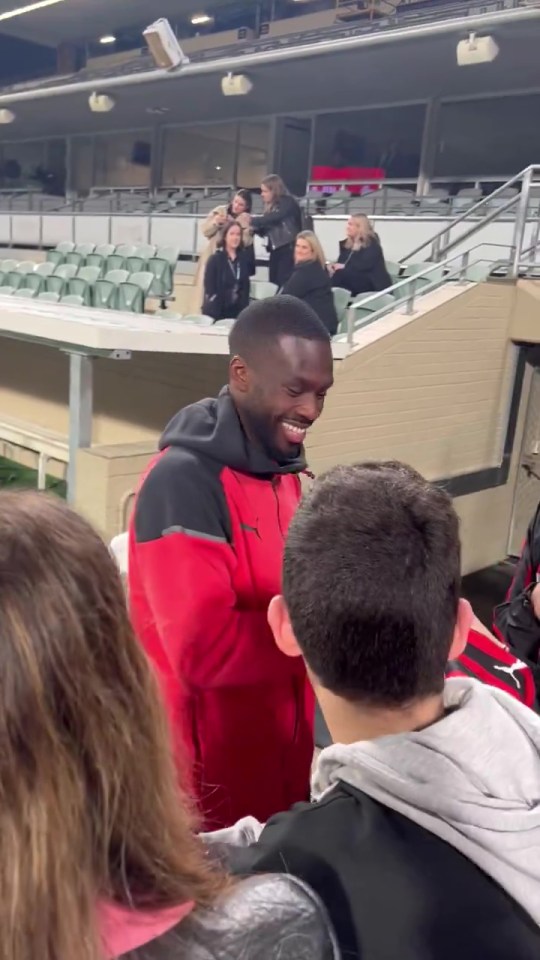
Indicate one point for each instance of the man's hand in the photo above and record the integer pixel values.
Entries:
(535, 601)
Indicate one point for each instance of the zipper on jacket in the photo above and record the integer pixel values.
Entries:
(275, 484)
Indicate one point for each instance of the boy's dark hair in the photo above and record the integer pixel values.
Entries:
(372, 580)
(263, 322)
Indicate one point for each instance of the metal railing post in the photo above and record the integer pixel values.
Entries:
(350, 326)
(409, 310)
(521, 220)
(464, 265)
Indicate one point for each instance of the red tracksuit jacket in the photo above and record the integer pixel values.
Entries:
(205, 554)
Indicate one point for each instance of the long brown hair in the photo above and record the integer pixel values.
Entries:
(276, 186)
(90, 806)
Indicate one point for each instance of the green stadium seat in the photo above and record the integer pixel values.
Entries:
(83, 284)
(165, 314)
(115, 262)
(55, 256)
(7, 265)
(65, 246)
(261, 289)
(105, 294)
(117, 276)
(200, 319)
(33, 281)
(55, 284)
(126, 250)
(130, 298)
(105, 249)
(85, 249)
(12, 279)
(96, 260)
(25, 293)
(169, 253)
(25, 266)
(162, 284)
(66, 270)
(135, 264)
(47, 296)
(44, 269)
(341, 301)
(75, 258)
(145, 251)
(73, 299)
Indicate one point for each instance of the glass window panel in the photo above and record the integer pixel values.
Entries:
(389, 137)
(253, 153)
(196, 156)
(493, 137)
(123, 159)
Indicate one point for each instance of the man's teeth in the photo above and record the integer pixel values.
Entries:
(292, 428)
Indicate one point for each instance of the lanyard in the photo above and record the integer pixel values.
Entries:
(234, 268)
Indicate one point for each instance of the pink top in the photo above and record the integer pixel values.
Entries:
(123, 929)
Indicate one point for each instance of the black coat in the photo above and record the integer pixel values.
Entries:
(281, 224)
(310, 282)
(364, 270)
(226, 285)
(393, 890)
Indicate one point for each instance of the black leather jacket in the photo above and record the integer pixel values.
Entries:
(263, 918)
(281, 224)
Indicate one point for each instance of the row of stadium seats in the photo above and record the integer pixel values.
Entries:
(392, 200)
(160, 262)
(118, 290)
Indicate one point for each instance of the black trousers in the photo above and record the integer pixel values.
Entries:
(281, 265)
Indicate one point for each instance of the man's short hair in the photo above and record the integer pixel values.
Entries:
(263, 322)
(372, 581)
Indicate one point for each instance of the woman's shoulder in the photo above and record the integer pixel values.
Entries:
(266, 917)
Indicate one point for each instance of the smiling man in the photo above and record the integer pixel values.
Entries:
(206, 547)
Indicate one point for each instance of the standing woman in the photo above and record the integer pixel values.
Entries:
(309, 280)
(99, 856)
(280, 223)
(226, 278)
(360, 267)
(239, 210)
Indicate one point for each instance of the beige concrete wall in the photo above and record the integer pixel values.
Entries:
(134, 399)
(433, 392)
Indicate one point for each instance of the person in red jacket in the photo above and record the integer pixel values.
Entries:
(205, 550)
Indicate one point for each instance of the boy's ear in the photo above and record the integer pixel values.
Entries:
(280, 625)
(464, 620)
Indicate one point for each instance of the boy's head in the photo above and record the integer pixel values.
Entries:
(371, 585)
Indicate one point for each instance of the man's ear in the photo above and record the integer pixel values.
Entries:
(465, 617)
(239, 374)
(280, 625)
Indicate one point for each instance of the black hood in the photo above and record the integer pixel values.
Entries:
(212, 428)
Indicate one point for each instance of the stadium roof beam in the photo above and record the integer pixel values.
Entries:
(237, 62)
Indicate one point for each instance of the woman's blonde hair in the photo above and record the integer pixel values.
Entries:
(366, 233)
(90, 806)
(276, 186)
(315, 244)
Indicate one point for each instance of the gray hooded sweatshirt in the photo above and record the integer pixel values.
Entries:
(472, 778)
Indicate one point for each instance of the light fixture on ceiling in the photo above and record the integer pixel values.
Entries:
(28, 8)
(6, 116)
(236, 85)
(476, 50)
(199, 19)
(108, 38)
(101, 103)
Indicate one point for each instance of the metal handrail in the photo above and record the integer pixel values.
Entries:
(471, 211)
(411, 281)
